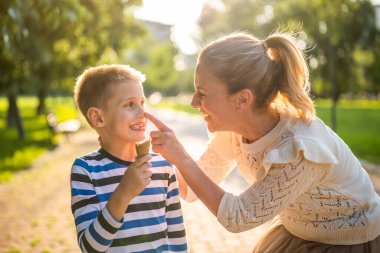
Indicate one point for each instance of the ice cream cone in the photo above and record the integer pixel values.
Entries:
(142, 148)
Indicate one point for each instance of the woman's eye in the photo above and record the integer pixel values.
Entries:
(130, 104)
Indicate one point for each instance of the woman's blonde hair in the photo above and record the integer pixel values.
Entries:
(274, 69)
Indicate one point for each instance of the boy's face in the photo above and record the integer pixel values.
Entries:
(124, 113)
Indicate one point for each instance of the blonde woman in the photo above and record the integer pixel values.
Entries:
(254, 96)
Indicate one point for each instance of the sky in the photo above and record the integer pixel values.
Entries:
(182, 14)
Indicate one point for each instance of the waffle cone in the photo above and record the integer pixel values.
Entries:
(142, 148)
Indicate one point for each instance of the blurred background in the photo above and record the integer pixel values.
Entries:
(45, 45)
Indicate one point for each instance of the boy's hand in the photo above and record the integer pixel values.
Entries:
(133, 182)
(136, 177)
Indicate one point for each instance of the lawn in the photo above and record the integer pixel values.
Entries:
(358, 123)
(18, 154)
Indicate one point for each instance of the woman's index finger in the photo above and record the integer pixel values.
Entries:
(158, 123)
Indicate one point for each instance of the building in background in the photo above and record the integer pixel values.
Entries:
(159, 31)
(377, 12)
(376, 5)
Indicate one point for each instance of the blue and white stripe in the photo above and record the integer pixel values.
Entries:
(153, 221)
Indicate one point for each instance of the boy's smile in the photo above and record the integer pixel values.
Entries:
(140, 126)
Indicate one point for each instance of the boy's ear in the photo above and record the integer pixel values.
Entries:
(244, 99)
(95, 117)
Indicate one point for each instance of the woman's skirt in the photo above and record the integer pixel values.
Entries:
(279, 240)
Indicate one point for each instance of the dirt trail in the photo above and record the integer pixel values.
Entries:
(35, 214)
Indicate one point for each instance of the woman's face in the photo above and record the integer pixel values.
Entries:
(213, 101)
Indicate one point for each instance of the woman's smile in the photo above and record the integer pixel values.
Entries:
(205, 115)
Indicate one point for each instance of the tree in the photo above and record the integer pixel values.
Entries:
(42, 41)
(373, 71)
(336, 29)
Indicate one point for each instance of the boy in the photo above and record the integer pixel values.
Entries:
(122, 204)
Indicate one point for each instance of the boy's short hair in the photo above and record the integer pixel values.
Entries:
(93, 85)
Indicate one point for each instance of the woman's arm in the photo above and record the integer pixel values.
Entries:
(182, 185)
(206, 190)
(165, 142)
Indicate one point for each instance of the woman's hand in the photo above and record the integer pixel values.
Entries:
(165, 142)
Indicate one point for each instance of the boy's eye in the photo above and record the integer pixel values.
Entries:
(130, 104)
(200, 94)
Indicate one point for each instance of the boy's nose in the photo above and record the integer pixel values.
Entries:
(141, 115)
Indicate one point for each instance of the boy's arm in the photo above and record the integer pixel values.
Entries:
(95, 227)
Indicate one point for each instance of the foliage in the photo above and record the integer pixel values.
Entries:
(336, 30)
(56, 40)
(46, 44)
(373, 72)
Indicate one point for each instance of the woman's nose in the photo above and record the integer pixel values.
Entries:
(195, 101)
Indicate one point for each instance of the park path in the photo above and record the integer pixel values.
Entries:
(35, 214)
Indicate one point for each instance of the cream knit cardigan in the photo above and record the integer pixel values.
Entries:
(305, 174)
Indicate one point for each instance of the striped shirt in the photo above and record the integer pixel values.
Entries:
(153, 221)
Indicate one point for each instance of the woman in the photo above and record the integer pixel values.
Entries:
(254, 97)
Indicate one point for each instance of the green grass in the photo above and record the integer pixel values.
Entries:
(172, 104)
(358, 123)
(18, 154)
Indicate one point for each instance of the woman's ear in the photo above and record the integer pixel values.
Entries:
(95, 116)
(244, 99)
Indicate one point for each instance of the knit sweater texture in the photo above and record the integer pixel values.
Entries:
(303, 173)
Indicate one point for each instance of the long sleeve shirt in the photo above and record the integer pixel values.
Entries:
(305, 174)
(153, 221)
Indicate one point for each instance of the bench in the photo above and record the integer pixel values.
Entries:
(65, 127)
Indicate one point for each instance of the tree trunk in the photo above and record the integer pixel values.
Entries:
(13, 116)
(334, 86)
(41, 108)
